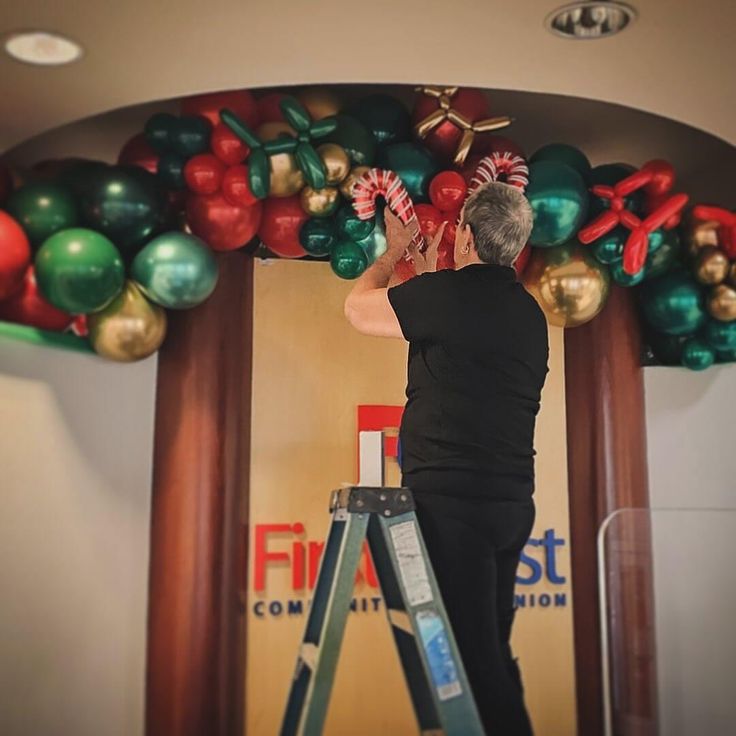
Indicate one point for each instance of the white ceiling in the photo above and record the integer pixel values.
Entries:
(677, 60)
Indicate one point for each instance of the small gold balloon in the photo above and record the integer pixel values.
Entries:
(722, 303)
(271, 131)
(346, 188)
(129, 328)
(286, 177)
(711, 266)
(319, 101)
(732, 274)
(336, 161)
(320, 202)
(569, 285)
(700, 234)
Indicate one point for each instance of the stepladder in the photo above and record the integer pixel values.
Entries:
(436, 680)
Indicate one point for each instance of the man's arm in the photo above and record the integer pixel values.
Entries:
(367, 306)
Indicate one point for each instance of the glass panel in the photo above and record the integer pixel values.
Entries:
(668, 608)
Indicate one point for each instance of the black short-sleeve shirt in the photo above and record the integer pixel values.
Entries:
(478, 355)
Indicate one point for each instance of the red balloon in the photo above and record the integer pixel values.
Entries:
(430, 218)
(523, 259)
(15, 255)
(27, 307)
(222, 226)
(443, 140)
(79, 326)
(268, 107)
(137, 152)
(446, 256)
(236, 187)
(488, 144)
(203, 173)
(227, 146)
(241, 102)
(451, 228)
(448, 190)
(6, 182)
(282, 219)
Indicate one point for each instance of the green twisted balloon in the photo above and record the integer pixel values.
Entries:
(307, 158)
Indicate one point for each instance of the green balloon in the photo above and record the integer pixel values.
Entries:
(317, 236)
(176, 270)
(126, 204)
(726, 356)
(415, 165)
(190, 135)
(42, 208)
(665, 349)
(375, 244)
(79, 271)
(348, 259)
(564, 154)
(609, 248)
(385, 117)
(355, 138)
(170, 170)
(696, 355)
(665, 257)
(608, 175)
(625, 279)
(559, 201)
(158, 130)
(349, 227)
(655, 240)
(721, 336)
(673, 303)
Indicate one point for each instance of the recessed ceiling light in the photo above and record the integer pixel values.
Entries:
(590, 19)
(40, 47)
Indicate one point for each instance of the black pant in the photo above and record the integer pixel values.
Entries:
(474, 546)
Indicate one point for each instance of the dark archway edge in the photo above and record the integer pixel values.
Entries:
(607, 469)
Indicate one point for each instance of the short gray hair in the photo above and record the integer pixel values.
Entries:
(500, 219)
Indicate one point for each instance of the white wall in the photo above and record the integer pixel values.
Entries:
(75, 465)
(692, 464)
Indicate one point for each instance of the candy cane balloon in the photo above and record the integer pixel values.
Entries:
(510, 166)
(383, 183)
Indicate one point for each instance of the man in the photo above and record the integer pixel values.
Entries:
(477, 363)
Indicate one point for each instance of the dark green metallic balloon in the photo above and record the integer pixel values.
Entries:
(624, 279)
(726, 356)
(375, 244)
(664, 349)
(176, 270)
(127, 205)
(190, 135)
(349, 227)
(564, 154)
(609, 248)
(696, 355)
(608, 175)
(42, 209)
(673, 303)
(559, 200)
(386, 118)
(317, 236)
(311, 165)
(170, 170)
(721, 336)
(355, 138)
(79, 271)
(415, 165)
(158, 130)
(665, 256)
(348, 259)
(655, 240)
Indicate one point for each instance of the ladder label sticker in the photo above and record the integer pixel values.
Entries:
(439, 655)
(411, 563)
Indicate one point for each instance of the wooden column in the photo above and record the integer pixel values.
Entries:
(606, 440)
(200, 488)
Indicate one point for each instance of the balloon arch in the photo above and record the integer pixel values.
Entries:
(92, 255)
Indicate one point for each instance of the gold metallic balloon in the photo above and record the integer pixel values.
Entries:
(711, 265)
(336, 161)
(699, 234)
(346, 187)
(320, 102)
(129, 328)
(569, 285)
(732, 274)
(320, 202)
(722, 303)
(271, 131)
(286, 177)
